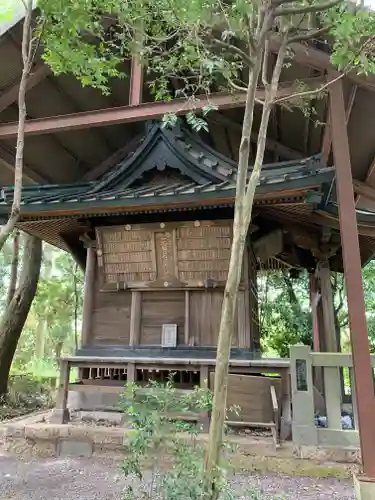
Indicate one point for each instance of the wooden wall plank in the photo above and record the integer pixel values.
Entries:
(135, 318)
(187, 317)
(205, 315)
(158, 308)
(111, 317)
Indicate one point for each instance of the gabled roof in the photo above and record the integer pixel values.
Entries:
(206, 176)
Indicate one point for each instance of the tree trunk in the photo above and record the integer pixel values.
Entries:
(15, 315)
(245, 192)
(14, 267)
(27, 58)
(42, 326)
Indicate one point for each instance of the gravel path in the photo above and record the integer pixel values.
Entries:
(70, 479)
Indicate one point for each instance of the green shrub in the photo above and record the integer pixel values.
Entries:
(165, 458)
(26, 394)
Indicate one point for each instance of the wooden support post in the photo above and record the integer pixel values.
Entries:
(362, 368)
(88, 297)
(130, 372)
(314, 300)
(329, 332)
(318, 329)
(136, 75)
(136, 82)
(60, 414)
(187, 318)
(135, 318)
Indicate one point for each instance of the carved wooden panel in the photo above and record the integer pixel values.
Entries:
(165, 254)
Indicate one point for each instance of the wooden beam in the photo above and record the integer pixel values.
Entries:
(10, 95)
(136, 83)
(321, 218)
(145, 111)
(271, 144)
(327, 137)
(362, 367)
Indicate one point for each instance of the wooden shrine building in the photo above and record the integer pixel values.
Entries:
(154, 234)
(147, 212)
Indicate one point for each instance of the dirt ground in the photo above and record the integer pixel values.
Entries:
(73, 479)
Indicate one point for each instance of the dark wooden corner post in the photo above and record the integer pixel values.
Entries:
(325, 306)
(88, 297)
(362, 368)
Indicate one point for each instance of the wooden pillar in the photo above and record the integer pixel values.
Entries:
(187, 318)
(135, 318)
(136, 75)
(326, 299)
(130, 372)
(88, 297)
(314, 304)
(362, 368)
(60, 414)
(318, 328)
(136, 83)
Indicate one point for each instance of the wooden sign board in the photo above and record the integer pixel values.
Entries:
(169, 335)
(182, 254)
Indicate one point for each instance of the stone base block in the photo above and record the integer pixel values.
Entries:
(93, 401)
(364, 488)
(69, 448)
(59, 416)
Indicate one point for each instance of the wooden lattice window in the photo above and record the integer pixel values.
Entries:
(185, 254)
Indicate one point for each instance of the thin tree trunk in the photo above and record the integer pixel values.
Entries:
(42, 325)
(242, 218)
(18, 167)
(15, 315)
(14, 267)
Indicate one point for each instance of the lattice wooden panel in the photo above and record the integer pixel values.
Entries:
(166, 254)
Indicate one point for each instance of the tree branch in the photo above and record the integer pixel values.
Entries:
(307, 93)
(265, 63)
(309, 9)
(234, 49)
(310, 35)
(262, 135)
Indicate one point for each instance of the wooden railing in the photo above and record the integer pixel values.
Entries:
(303, 364)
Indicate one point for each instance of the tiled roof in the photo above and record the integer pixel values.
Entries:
(211, 176)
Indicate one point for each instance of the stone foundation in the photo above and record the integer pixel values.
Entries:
(92, 401)
(35, 436)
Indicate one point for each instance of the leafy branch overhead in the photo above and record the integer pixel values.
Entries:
(194, 48)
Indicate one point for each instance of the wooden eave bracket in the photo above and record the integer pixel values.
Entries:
(87, 241)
